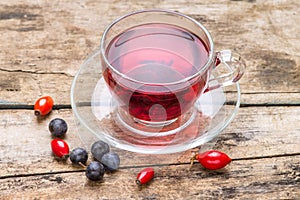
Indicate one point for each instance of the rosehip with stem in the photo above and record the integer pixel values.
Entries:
(144, 176)
(60, 148)
(213, 159)
(43, 106)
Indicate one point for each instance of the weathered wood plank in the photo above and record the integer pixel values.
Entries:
(261, 130)
(271, 178)
(25, 144)
(49, 41)
(26, 87)
(275, 99)
(20, 88)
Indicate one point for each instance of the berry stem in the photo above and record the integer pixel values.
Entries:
(138, 183)
(193, 158)
(65, 157)
(82, 165)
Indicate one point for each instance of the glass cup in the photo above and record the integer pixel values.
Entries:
(156, 64)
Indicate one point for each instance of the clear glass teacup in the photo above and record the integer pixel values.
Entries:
(147, 83)
(156, 64)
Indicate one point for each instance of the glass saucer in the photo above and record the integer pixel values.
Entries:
(95, 112)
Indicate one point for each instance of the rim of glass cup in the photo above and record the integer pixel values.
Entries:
(211, 53)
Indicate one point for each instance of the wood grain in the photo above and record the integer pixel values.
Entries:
(275, 178)
(256, 132)
(53, 39)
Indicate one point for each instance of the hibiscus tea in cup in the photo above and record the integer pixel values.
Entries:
(154, 71)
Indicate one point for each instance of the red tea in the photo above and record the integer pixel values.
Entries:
(156, 62)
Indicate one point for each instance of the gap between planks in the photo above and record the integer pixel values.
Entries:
(68, 106)
(143, 166)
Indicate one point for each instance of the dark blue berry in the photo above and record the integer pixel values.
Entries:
(98, 149)
(79, 156)
(111, 160)
(95, 171)
(58, 127)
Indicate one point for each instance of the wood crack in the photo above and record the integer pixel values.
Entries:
(143, 166)
(17, 106)
(34, 72)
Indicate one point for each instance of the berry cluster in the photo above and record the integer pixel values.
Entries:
(104, 159)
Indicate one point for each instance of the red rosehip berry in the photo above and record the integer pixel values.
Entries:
(43, 106)
(60, 148)
(144, 176)
(213, 159)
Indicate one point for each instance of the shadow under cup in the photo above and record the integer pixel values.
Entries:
(156, 64)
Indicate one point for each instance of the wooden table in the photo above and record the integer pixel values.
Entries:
(43, 44)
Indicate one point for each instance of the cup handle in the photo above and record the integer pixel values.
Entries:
(233, 67)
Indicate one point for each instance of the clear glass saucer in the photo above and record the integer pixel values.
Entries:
(95, 112)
